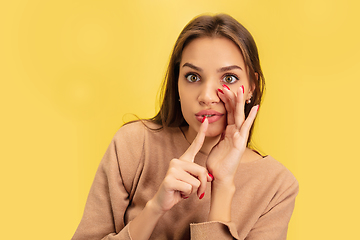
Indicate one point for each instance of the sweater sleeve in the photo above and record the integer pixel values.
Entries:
(112, 188)
(213, 230)
(273, 223)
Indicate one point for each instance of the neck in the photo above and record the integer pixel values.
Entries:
(209, 143)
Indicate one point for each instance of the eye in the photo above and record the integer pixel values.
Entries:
(230, 79)
(192, 77)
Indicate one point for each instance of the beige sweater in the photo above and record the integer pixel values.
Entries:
(133, 168)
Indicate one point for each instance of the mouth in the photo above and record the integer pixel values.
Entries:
(208, 115)
(211, 115)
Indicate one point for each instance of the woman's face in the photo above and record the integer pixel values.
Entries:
(206, 64)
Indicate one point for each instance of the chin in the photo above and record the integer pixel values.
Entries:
(214, 132)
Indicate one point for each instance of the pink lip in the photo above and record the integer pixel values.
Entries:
(215, 115)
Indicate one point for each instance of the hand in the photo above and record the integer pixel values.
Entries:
(225, 157)
(184, 177)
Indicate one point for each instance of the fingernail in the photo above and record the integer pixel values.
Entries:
(210, 175)
(185, 197)
(225, 86)
(258, 108)
(242, 86)
(220, 90)
(202, 195)
(203, 119)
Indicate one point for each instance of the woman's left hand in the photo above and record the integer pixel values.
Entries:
(225, 157)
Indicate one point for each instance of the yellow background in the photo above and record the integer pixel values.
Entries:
(72, 71)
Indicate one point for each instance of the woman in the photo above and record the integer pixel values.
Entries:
(188, 173)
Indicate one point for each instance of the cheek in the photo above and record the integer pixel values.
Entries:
(186, 99)
(235, 88)
(185, 106)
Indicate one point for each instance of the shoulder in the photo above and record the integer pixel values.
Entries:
(281, 180)
(130, 130)
(277, 169)
(270, 174)
(152, 139)
(134, 131)
(268, 166)
(141, 131)
(267, 191)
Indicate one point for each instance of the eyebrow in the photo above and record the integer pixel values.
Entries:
(223, 69)
(192, 66)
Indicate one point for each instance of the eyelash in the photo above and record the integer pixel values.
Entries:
(231, 75)
(223, 78)
(191, 74)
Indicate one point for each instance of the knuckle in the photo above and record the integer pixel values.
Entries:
(174, 162)
(167, 180)
(204, 171)
(197, 184)
(188, 189)
(171, 171)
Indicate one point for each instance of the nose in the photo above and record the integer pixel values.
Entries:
(209, 94)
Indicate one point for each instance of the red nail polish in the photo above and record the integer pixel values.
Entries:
(225, 86)
(210, 175)
(220, 90)
(185, 197)
(202, 195)
(242, 86)
(258, 108)
(203, 119)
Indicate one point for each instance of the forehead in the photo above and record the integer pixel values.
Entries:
(215, 52)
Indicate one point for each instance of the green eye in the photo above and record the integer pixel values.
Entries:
(192, 78)
(230, 79)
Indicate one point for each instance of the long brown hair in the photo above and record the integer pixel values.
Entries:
(220, 25)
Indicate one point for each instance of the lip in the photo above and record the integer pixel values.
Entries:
(215, 115)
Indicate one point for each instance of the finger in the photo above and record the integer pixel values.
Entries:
(229, 109)
(191, 173)
(196, 145)
(239, 112)
(184, 188)
(198, 173)
(228, 97)
(197, 176)
(203, 178)
(245, 129)
(210, 177)
(189, 179)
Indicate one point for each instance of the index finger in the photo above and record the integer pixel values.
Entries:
(228, 97)
(240, 110)
(196, 145)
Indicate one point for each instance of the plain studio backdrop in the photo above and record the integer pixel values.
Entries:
(73, 71)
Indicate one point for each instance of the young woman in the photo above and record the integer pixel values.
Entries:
(188, 172)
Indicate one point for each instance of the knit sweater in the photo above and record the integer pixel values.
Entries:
(136, 163)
